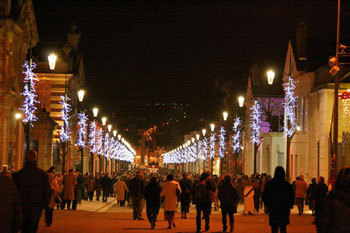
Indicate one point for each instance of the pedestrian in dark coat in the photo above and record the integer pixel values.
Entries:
(69, 183)
(228, 197)
(136, 191)
(320, 194)
(35, 192)
(152, 196)
(91, 187)
(98, 186)
(311, 195)
(185, 198)
(105, 184)
(279, 198)
(335, 214)
(10, 206)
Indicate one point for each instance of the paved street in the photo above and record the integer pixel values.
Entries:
(99, 217)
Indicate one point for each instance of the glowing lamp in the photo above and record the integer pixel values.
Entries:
(204, 131)
(298, 128)
(197, 136)
(119, 136)
(114, 133)
(52, 61)
(270, 76)
(81, 94)
(104, 120)
(212, 127)
(109, 128)
(241, 101)
(18, 116)
(225, 115)
(95, 111)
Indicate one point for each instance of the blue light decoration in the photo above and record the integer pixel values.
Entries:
(255, 120)
(100, 149)
(107, 145)
(222, 144)
(92, 137)
(236, 135)
(66, 108)
(82, 132)
(29, 93)
(212, 145)
(205, 148)
(290, 102)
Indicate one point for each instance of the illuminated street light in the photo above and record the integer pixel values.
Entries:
(225, 115)
(81, 94)
(204, 131)
(114, 133)
(109, 128)
(119, 137)
(298, 128)
(212, 127)
(52, 61)
(197, 136)
(104, 120)
(18, 115)
(241, 101)
(95, 111)
(270, 76)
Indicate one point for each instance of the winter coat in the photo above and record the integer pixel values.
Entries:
(202, 190)
(278, 196)
(334, 217)
(169, 192)
(300, 189)
(136, 187)
(54, 189)
(105, 183)
(34, 188)
(120, 188)
(10, 206)
(227, 194)
(69, 183)
(152, 194)
(91, 185)
(186, 187)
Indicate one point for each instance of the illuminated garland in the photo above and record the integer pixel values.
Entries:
(107, 145)
(205, 148)
(289, 107)
(82, 132)
(66, 108)
(236, 135)
(92, 137)
(212, 145)
(100, 150)
(29, 93)
(222, 144)
(255, 120)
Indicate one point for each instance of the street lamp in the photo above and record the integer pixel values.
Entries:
(81, 94)
(104, 120)
(270, 76)
(225, 115)
(18, 116)
(241, 101)
(52, 61)
(109, 128)
(119, 137)
(114, 133)
(212, 127)
(204, 131)
(95, 111)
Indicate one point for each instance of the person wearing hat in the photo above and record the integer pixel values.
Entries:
(35, 192)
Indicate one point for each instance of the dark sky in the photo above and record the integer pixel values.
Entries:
(193, 52)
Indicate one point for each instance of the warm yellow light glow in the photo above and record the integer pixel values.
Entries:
(109, 128)
(225, 115)
(270, 76)
(193, 140)
(298, 128)
(197, 136)
(52, 61)
(119, 136)
(95, 111)
(204, 131)
(18, 115)
(114, 133)
(241, 101)
(81, 94)
(212, 127)
(104, 120)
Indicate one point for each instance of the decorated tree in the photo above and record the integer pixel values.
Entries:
(255, 121)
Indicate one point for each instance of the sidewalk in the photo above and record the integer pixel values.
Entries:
(97, 206)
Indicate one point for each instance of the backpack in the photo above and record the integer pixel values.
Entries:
(202, 192)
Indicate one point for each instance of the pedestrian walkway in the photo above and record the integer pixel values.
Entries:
(97, 206)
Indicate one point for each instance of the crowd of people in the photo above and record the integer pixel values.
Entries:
(28, 192)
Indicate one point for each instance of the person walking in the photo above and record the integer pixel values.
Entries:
(300, 193)
(249, 199)
(78, 189)
(105, 184)
(185, 198)
(54, 189)
(98, 186)
(311, 195)
(228, 197)
(335, 214)
(35, 192)
(202, 199)
(320, 195)
(10, 206)
(278, 196)
(91, 187)
(170, 191)
(152, 196)
(136, 191)
(69, 182)
(120, 188)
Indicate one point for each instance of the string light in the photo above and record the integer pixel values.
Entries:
(82, 132)
(289, 108)
(236, 135)
(92, 137)
(255, 122)
(29, 93)
(222, 144)
(107, 145)
(212, 145)
(66, 108)
(100, 149)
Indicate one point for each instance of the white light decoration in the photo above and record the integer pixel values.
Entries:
(205, 148)
(212, 145)
(100, 149)
(82, 132)
(107, 145)
(92, 137)
(289, 107)
(255, 122)
(66, 108)
(29, 93)
(236, 135)
(222, 143)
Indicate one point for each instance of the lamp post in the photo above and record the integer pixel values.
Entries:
(81, 94)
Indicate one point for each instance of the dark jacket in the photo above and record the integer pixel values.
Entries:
(334, 217)
(152, 194)
(186, 187)
(227, 194)
(278, 196)
(10, 206)
(34, 188)
(136, 187)
(105, 183)
(201, 192)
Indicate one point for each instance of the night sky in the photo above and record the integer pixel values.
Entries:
(190, 52)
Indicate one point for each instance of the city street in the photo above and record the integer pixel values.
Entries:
(117, 219)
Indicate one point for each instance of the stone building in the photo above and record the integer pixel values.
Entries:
(17, 33)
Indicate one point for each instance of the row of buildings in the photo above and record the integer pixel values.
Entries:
(18, 40)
